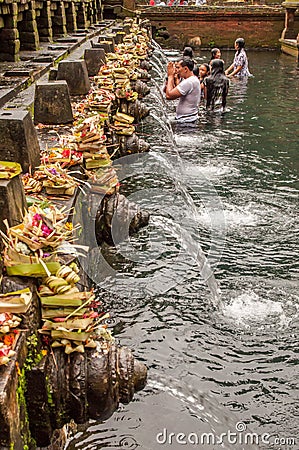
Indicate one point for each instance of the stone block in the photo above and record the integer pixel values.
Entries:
(14, 9)
(9, 34)
(104, 45)
(11, 21)
(52, 103)
(53, 74)
(12, 47)
(103, 37)
(59, 21)
(94, 58)
(29, 37)
(12, 202)
(76, 75)
(18, 139)
(5, 9)
(8, 57)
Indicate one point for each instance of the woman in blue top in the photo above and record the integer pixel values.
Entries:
(239, 67)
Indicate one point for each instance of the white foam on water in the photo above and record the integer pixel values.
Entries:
(235, 217)
(250, 308)
(240, 216)
(210, 170)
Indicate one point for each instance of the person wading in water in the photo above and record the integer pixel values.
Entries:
(239, 67)
(216, 87)
(187, 91)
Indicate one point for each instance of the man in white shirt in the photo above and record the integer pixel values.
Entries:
(187, 91)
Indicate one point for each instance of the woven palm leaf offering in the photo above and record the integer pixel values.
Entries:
(56, 180)
(16, 302)
(31, 185)
(8, 336)
(123, 124)
(66, 155)
(100, 100)
(104, 79)
(127, 93)
(9, 169)
(70, 317)
(90, 139)
(30, 247)
(121, 76)
(104, 180)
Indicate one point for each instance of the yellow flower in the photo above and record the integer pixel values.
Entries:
(69, 226)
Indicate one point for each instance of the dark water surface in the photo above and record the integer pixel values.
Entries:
(230, 187)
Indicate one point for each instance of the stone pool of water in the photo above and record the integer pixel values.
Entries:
(231, 185)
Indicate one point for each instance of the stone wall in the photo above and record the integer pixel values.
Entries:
(210, 26)
(24, 23)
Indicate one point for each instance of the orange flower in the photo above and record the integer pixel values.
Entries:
(69, 226)
(8, 339)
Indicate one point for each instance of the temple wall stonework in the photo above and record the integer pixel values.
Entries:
(26, 23)
(212, 26)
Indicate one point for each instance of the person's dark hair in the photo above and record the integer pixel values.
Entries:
(188, 51)
(217, 84)
(213, 52)
(217, 66)
(241, 44)
(196, 71)
(187, 62)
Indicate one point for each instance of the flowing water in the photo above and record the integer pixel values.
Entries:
(222, 195)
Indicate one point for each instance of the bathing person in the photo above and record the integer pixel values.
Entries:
(239, 67)
(187, 91)
(215, 54)
(203, 72)
(188, 52)
(216, 87)
(196, 71)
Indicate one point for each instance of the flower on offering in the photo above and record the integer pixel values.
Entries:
(8, 335)
(65, 156)
(56, 180)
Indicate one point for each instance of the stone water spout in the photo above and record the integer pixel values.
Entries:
(124, 217)
(79, 387)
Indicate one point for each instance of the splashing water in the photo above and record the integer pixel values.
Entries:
(250, 309)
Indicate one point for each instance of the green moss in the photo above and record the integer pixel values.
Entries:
(49, 394)
(24, 424)
(33, 358)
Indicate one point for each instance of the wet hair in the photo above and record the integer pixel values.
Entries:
(217, 84)
(217, 65)
(188, 51)
(213, 52)
(196, 71)
(241, 44)
(187, 62)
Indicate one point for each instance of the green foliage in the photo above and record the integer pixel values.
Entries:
(33, 358)
(33, 355)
